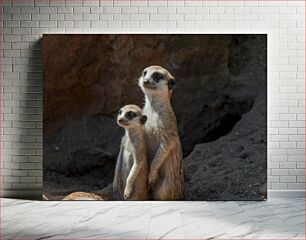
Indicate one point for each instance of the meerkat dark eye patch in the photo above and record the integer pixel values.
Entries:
(130, 115)
(143, 119)
(171, 84)
(157, 76)
(144, 73)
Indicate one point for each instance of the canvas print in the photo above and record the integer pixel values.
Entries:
(155, 117)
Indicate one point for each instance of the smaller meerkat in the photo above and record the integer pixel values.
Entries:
(130, 181)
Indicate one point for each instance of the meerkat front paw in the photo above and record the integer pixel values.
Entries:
(127, 193)
(152, 178)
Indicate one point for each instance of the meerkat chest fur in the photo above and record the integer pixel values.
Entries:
(161, 123)
(134, 146)
(134, 143)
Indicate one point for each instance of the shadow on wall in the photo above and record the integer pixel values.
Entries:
(31, 107)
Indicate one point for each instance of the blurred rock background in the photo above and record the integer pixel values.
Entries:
(220, 102)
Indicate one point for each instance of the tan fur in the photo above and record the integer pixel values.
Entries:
(45, 198)
(131, 173)
(166, 177)
(82, 196)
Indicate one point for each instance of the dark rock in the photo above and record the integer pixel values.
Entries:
(90, 75)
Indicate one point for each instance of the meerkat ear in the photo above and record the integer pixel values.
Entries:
(143, 119)
(171, 84)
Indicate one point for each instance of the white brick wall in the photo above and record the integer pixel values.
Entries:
(24, 22)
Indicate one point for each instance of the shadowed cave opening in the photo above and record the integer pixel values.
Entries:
(202, 133)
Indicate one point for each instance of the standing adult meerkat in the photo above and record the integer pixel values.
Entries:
(166, 176)
(131, 174)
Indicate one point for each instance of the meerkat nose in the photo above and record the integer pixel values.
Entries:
(145, 81)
